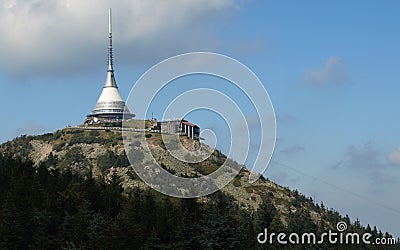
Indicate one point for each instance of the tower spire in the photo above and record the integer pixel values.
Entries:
(110, 106)
(110, 79)
(110, 58)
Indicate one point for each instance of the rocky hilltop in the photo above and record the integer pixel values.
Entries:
(100, 154)
(97, 151)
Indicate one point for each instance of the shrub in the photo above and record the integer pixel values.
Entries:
(110, 159)
(236, 182)
(94, 133)
(58, 146)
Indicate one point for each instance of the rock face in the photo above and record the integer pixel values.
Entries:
(96, 152)
(40, 150)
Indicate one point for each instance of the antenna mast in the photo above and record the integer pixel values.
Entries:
(110, 57)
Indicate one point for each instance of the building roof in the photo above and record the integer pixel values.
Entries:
(189, 124)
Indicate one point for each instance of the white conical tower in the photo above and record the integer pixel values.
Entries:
(110, 106)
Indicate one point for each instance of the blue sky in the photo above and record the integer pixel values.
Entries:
(330, 69)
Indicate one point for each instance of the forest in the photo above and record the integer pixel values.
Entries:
(45, 208)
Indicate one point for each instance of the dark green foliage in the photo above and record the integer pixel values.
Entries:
(72, 156)
(48, 137)
(73, 160)
(59, 146)
(170, 170)
(51, 160)
(111, 124)
(110, 159)
(217, 227)
(50, 209)
(132, 174)
(265, 215)
(17, 148)
(218, 158)
(94, 133)
(236, 182)
(204, 168)
(300, 221)
(94, 136)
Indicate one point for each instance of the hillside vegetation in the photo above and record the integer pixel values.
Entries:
(76, 189)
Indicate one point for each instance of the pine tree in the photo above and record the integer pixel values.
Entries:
(216, 229)
(265, 214)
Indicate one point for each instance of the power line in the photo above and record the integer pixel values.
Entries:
(345, 190)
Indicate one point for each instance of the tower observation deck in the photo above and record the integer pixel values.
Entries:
(110, 107)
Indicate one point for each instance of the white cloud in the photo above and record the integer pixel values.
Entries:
(41, 36)
(366, 156)
(332, 73)
(368, 162)
(394, 157)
